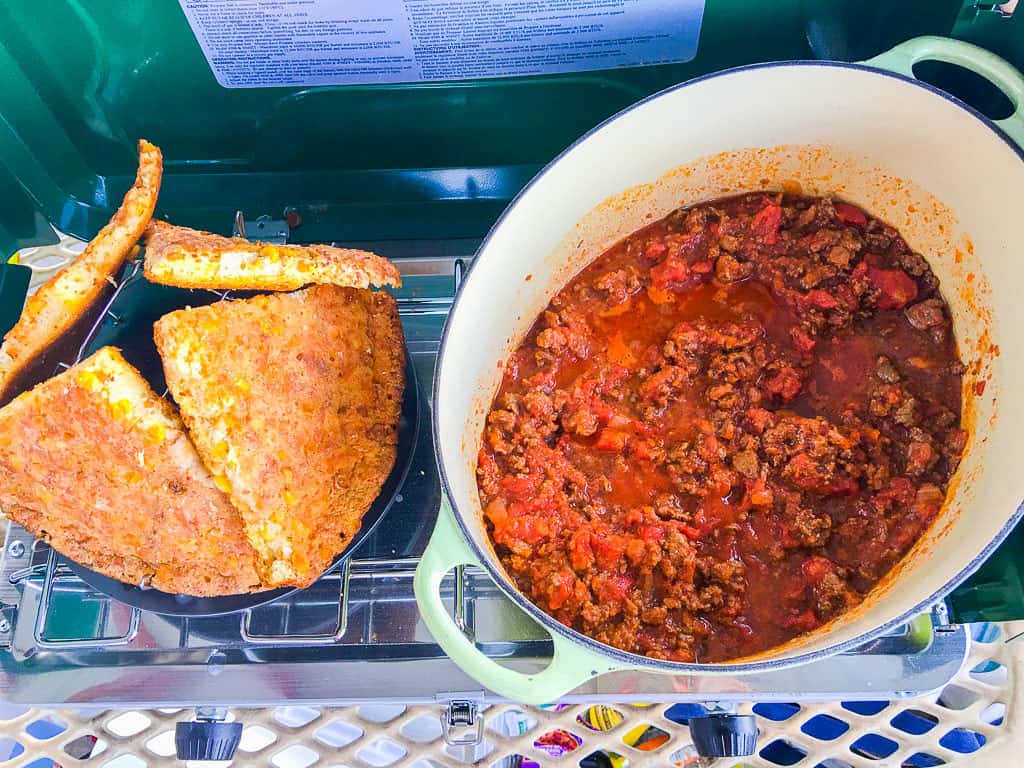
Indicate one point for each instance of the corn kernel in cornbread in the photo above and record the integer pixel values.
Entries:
(304, 446)
(131, 499)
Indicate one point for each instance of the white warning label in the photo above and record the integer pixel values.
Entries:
(263, 43)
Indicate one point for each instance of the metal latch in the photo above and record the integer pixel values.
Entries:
(207, 738)
(1004, 9)
(263, 228)
(462, 723)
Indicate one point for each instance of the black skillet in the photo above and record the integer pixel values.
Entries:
(128, 325)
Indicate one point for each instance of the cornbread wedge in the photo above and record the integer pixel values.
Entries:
(94, 462)
(293, 402)
(61, 303)
(189, 258)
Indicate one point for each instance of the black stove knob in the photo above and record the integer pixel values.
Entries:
(207, 740)
(724, 735)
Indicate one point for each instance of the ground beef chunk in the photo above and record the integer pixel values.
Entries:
(833, 596)
(810, 529)
(926, 314)
(921, 457)
(660, 386)
(813, 455)
(729, 269)
(564, 331)
(725, 430)
(746, 463)
(885, 370)
(839, 256)
(668, 506)
(619, 285)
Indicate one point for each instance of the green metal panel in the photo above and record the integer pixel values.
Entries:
(996, 592)
(14, 280)
(83, 79)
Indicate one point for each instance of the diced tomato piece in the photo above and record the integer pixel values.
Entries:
(758, 420)
(785, 384)
(497, 511)
(617, 586)
(804, 621)
(900, 493)
(651, 532)
(846, 296)
(766, 223)
(688, 531)
(814, 568)
(850, 214)
(608, 549)
(640, 449)
(655, 249)
(609, 415)
(525, 528)
(845, 486)
(670, 272)
(562, 585)
(487, 468)
(609, 439)
(895, 287)
(581, 554)
(633, 517)
(979, 387)
(703, 267)
(520, 487)
(859, 271)
(759, 493)
(721, 480)
(801, 339)
(821, 299)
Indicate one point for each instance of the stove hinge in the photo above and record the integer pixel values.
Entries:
(462, 721)
(262, 228)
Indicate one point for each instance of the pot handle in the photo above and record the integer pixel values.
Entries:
(570, 666)
(902, 58)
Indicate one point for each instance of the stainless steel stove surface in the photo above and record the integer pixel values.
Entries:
(356, 635)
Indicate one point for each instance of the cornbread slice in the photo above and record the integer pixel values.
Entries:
(189, 258)
(60, 303)
(98, 465)
(293, 402)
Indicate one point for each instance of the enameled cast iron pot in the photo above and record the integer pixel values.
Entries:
(949, 179)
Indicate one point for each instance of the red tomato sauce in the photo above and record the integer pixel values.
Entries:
(726, 429)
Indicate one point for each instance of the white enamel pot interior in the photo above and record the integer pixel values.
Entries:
(946, 177)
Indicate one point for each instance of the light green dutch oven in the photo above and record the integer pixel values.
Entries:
(949, 178)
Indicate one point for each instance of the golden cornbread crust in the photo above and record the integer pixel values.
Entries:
(292, 401)
(189, 258)
(61, 302)
(98, 465)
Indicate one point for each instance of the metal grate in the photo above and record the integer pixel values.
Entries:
(971, 721)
